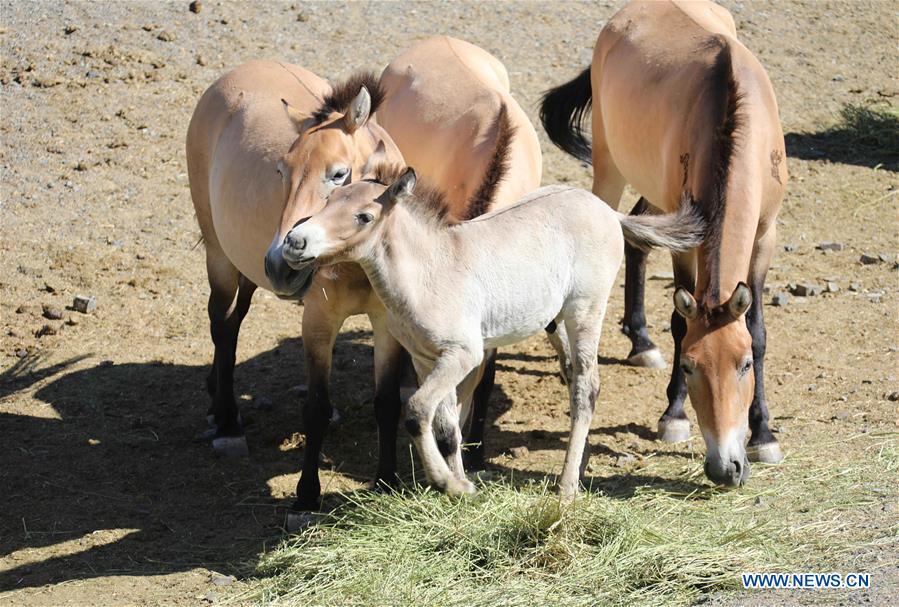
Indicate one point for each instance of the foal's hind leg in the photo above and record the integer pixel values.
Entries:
(584, 332)
(643, 352)
(674, 425)
(763, 447)
(226, 312)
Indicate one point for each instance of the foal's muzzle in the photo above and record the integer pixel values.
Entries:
(286, 282)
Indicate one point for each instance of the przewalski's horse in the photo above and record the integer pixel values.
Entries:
(257, 165)
(445, 77)
(682, 108)
(453, 290)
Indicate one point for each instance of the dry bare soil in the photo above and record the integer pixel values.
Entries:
(104, 497)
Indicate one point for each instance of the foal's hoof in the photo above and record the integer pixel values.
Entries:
(298, 521)
(674, 430)
(766, 453)
(651, 359)
(460, 486)
(231, 446)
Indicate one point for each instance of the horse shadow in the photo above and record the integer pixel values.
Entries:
(864, 136)
(111, 479)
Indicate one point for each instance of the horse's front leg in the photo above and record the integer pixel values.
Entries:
(674, 425)
(763, 447)
(439, 385)
(473, 455)
(390, 365)
(226, 313)
(320, 327)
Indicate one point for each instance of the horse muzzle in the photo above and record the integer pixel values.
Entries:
(728, 472)
(287, 282)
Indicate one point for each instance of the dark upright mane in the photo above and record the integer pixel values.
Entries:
(499, 165)
(343, 93)
(725, 103)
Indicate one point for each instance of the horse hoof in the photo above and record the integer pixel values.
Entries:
(766, 453)
(204, 436)
(231, 446)
(674, 430)
(460, 486)
(651, 359)
(299, 521)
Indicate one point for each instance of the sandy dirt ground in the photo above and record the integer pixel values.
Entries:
(104, 497)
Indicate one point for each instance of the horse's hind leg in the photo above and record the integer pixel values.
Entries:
(390, 363)
(763, 447)
(643, 352)
(674, 425)
(584, 331)
(473, 455)
(226, 313)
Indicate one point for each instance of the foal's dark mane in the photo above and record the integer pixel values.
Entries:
(343, 93)
(430, 202)
(726, 105)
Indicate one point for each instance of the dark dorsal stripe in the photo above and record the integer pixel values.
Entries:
(727, 119)
(497, 169)
(431, 202)
(343, 93)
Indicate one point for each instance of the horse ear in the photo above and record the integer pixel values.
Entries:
(299, 119)
(378, 157)
(685, 304)
(359, 110)
(740, 301)
(402, 188)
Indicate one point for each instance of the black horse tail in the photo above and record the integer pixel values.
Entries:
(562, 113)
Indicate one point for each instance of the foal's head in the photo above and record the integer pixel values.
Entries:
(332, 145)
(351, 221)
(716, 358)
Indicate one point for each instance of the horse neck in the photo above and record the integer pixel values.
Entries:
(735, 207)
(405, 255)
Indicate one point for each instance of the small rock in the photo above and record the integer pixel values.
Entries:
(662, 276)
(838, 78)
(830, 246)
(302, 17)
(832, 287)
(789, 248)
(264, 403)
(867, 260)
(518, 452)
(70, 29)
(195, 7)
(210, 597)
(855, 287)
(885, 257)
(165, 36)
(888, 507)
(221, 580)
(805, 290)
(622, 461)
(840, 416)
(45, 330)
(780, 299)
(85, 304)
(760, 501)
(893, 396)
(21, 353)
(52, 312)
(201, 60)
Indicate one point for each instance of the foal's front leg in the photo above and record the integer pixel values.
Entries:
(448, 371)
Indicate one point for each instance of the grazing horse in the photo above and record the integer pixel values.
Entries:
(266, 145)
(681, 109)
(453, 289)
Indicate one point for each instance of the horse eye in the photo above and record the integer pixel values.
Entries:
(340, 177)
(747, 365)
(364, 218)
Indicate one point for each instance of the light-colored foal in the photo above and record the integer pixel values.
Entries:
(453, 290)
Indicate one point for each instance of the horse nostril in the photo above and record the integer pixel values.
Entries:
(738, 467)
(293, 242)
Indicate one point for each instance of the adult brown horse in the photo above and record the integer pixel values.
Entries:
(266, 145)
(682, 110)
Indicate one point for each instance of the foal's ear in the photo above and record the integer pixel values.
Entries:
(300, 120)
(377, 158)
(740, 301)
(359, 110)
(685, 304)
(402, 188)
